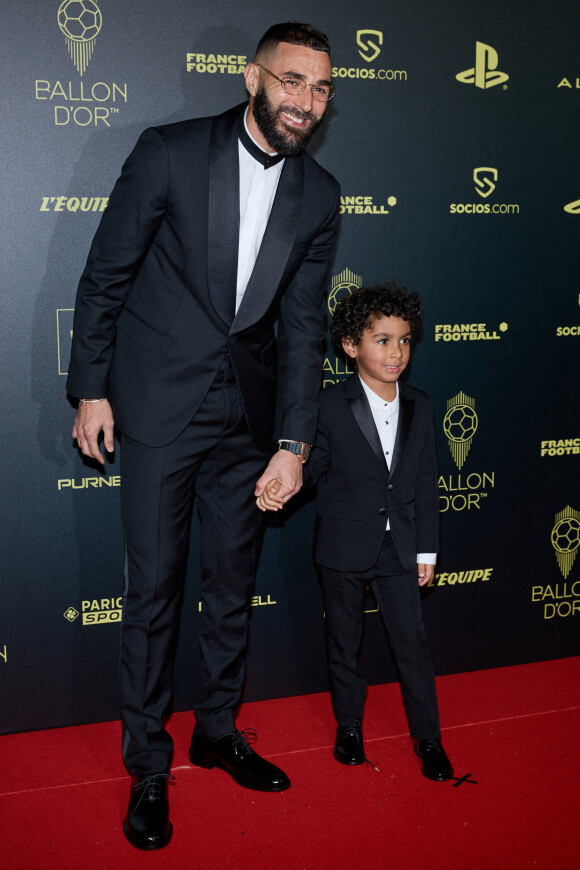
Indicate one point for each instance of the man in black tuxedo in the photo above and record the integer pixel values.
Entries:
(198, 333)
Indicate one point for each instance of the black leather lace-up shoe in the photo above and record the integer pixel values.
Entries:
(147, 824)
(434, 762)
(348, 748)
(233, 753)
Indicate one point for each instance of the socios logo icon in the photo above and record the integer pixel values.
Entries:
(369, 43)
(565, 538)
(483, 176)
(80, 21)
(573, 207)
(485, 73)
(460, 425)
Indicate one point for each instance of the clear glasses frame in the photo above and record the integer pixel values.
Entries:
(320, 93)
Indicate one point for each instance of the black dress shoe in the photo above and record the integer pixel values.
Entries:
(434, 761)
(348, 748)
(147, 824)
(233, 754)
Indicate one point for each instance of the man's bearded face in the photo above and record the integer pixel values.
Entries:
(279, 133)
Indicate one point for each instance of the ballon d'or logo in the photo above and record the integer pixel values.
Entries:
(80, 21)
(566, 538)
(343, 285)
(460, 425)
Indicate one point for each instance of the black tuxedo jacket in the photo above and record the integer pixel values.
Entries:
(356, 490)
(154, 316)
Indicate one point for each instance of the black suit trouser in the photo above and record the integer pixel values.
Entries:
(214, 460)
(397, 594)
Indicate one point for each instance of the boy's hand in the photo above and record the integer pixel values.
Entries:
(268, 498)
(286, 468)
(426, 573)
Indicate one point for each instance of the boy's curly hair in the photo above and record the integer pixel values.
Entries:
(356, 313)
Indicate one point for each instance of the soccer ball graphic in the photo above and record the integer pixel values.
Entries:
(79, 20)
(566, 535)
(460, 423)
(338, 293)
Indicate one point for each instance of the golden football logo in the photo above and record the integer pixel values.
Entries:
(566, 538)
(80, 21)
(460, 425)
(343, 285)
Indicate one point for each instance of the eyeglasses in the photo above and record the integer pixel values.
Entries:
(321, 93)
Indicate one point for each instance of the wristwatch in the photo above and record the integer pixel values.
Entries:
(300, 448)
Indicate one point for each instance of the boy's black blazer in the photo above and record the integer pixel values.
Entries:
(356, 491)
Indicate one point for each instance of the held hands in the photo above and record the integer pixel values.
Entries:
(426, 573)
(269, 500)
(280, 481)
(89, 422)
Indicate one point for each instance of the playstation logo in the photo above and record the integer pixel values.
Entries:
(573, 207)
(484, 74)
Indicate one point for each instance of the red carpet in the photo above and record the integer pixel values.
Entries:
(515, 730)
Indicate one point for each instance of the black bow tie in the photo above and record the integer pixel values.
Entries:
(267, 160)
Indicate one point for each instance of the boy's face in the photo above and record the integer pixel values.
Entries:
(382, 354)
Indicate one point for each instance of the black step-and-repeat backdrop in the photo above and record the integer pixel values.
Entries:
(454, 134)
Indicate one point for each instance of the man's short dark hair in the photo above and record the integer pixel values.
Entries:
(294, 33)
(357, 312)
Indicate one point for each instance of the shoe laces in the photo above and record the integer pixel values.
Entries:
(355, 730)
(243, 740)
(151, 786)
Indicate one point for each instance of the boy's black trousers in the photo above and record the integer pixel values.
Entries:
(397, 594)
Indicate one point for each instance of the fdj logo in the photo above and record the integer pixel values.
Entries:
(483, 185)
(368, 49)
(343, 285)
(460, 425)
(566, 538)
(484, 74)
(80, 21)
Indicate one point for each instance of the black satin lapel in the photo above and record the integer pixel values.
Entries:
(223, 216)
(276, 246)
(406, 409)
(364, 417)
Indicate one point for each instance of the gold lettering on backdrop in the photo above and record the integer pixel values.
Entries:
(456, 332)
(4, 654)
(559, 599)
(464, 493)
(89, 482)
(561, 447)
(228, 64)
(364, 205)
(256, 601)
(460, 577)
(78, 98)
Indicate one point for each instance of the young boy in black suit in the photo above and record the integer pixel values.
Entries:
(377, 515)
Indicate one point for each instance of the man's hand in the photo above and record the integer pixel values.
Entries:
(426, 573)
(269, 500)
(89, 421)
(285, 467)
